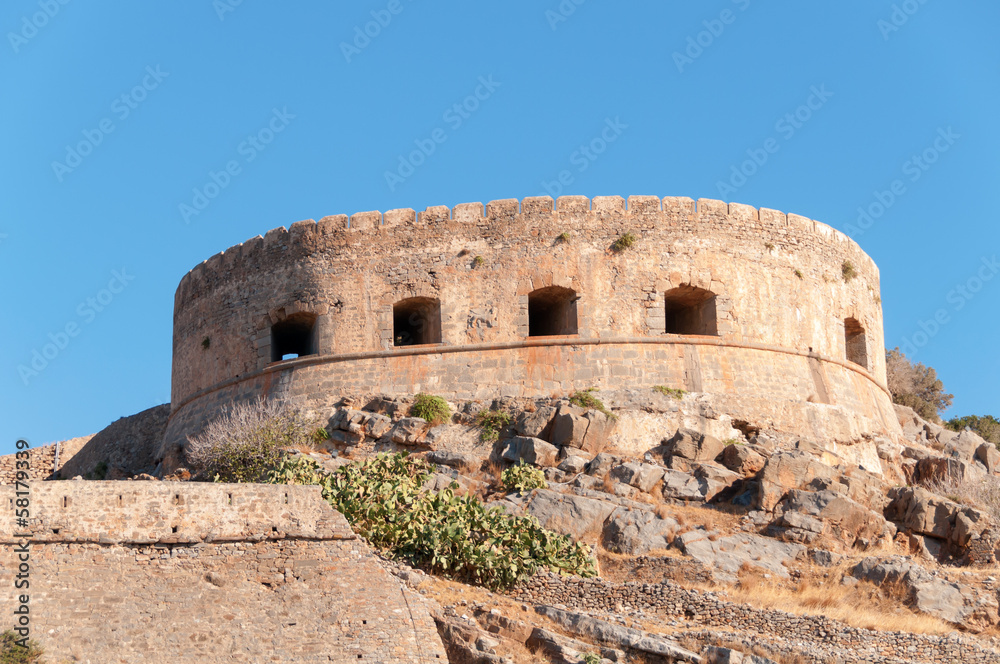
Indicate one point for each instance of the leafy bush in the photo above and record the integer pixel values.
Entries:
(625, 241)
(987, 426)
(247, 441)
(478, 261)
(522, 478)
(564, 237)
(100, 472)
(459, 536)
(295, 470)
(13, 650)
(591, 658)
(797, 273)
(672, 392)
(319, 436)
(915, 385)
(848, 271)
(730, 441)
(431, 408)
(586, 399)
(492, 422)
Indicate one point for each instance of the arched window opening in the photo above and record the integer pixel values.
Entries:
(294, 337)
(856, 342)
(552, 311)
(416, 321)
(690, 310)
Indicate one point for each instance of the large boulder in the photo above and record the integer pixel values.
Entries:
(931, 595)
(792, 469)
(587, 430)
(687, 487)
(409, 431)
(576, 516)
(729, 554)
(537, 424)
(839, 516)
(530, 450)
(742, 459)
(693, 445)
(926, 513)
(642, 476)
(637, 532)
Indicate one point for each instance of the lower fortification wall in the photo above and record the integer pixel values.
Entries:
(183, 573)
(799, 393)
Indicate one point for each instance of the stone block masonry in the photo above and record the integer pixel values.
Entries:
(183, 573)
(708, 297)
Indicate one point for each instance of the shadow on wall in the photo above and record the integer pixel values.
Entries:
(124, 448)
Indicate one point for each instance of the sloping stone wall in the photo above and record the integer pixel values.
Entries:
(176, 572)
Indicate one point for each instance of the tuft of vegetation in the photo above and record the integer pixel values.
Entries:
(769, 246)
(205, 343)
(592, 658)
(586, 399)
(15, 649)
(987, 426)
(247, 441)
(848, 271)
(492, 422)
(915, 385)
(431, 408)
(319, 436)
(983, 493)
(798, 273)
(522, 478)
(672, 392)
(457, 536)
(625, 241)
(295, 470)
(730, 441)
(564, 237)
(100, 472)
(478, 261)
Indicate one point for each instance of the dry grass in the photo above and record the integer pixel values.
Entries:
(983, 494)
(863, 605)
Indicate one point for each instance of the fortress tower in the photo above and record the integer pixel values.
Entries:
(775, 318)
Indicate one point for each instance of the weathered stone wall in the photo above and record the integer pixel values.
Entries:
(175, 572)
(40, 464)
(781, 303)
(842, 642)
(128, 446)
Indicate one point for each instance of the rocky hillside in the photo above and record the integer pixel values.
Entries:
(718, 540)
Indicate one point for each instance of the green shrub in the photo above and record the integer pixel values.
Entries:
(591, 658)
(564, 237)
(730, 441)
(431, 408)
(295, 470)
(522, 478)
(586, 399)
(16, 650)
(625, 241)
(99, 473)
(247, 441)
(915, 385)
(798, 273)
(478, 261)
(457, 536)
(206, 343)
(492, 423)
(672, 392)
(987, 426)
(847, 269)
(320, 436)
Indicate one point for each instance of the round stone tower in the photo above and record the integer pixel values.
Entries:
(775, 317)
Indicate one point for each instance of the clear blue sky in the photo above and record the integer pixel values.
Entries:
(162, 95)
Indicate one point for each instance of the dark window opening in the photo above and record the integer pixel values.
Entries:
(690, 310)
(416, 321)
(552, 311)
(294, 337)
(857, 345)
